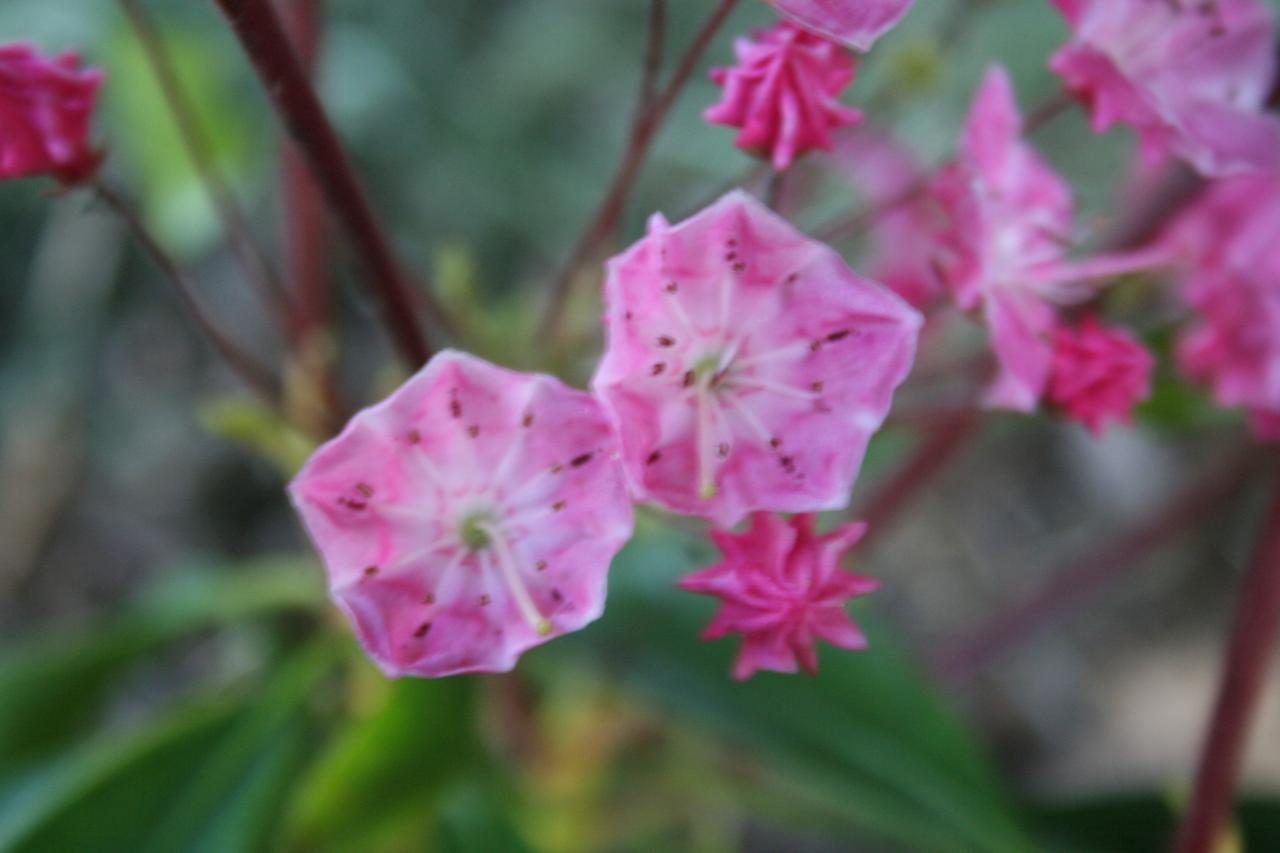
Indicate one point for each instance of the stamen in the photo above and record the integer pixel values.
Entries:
(511, 575)
(749, 418)
(790, 351)
(706, 470)
(751, 383)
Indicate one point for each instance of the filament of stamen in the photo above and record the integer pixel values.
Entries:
(511, 575)
(751, 383)
(790, 351)
(706, 472)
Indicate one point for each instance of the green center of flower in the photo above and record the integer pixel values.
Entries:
(474, 531)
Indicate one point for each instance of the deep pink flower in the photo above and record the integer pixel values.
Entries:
(45, 109)
(746, 365)
(781, 587)
(1230, 279)
(468, 517)
(856, 23)
(783, 91)
(1006, 223)
(1191, 77)
(1099, 374)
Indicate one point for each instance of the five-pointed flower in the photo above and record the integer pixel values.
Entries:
(746, 366)
(1191, 77)
(1099, 373)
(46, 105)
(782, 589)
(783, 93)
(856, 23)
(1006, 222)
(471, 515)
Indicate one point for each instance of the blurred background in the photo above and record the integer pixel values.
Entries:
(1043, 652)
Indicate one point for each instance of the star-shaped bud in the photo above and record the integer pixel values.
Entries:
(1191, 76)
(783, 93)
(856, 23)
(781, 587)
(46, 105)
(746, 365)
(471, 515)
(1099, 374)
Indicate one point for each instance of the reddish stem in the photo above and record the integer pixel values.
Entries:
(929, 458)
(285, 80)
(304, 221)
(1073, 582)
(251, 255)
(249, 368)
(1253, 638)
(643, 130)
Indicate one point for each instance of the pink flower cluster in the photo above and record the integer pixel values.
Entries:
(45, 109)
(473, 514)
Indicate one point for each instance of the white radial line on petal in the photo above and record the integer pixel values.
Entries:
(515, 498)
(418, 458)
(412, 516)
(752, 383)
(443, 544)
(449, 568)
(791, 350)
(526, 516)
(726, 300)
(749, 417)
(677, 310)
(706, 462)
(511, 575)
(514, 448)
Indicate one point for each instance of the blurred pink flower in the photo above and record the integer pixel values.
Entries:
(1191, 77)
(1007, 222)
(1099, 374)
(1231, 280)
(746, 365)
(45, 109)
(468, 517)
(856, 23)
(783, 93)
(782, 588)
(888, 178)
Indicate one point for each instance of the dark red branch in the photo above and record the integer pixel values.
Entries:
(236, 225)
(934, 452)
(1244, 674)
(285, 80)
(647, 122)
(1076, 580)
(246, 366)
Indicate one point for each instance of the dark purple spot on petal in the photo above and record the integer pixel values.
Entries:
(414, 436)
(722, 450)
(775, 443)
(484, 600)
(672, 287)
(422, 630)
(816, 386)
(556, 595)
(557, 468)
(687, 381)
(365, 489)
(653, 457)
(557, 506)
(838, 336)
(666, 341)
(370, 571)
(541, 565)
(429, 598)
(473, 430)
(657, 368)
(455, 408)
(527, 420)
(579, 461)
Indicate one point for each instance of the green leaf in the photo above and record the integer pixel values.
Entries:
(871, 744)
(53, 689)
(476, 819)
(212, 778)
(375, 785)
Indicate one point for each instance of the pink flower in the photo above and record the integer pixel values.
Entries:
(782, 588)
(856, 23)
(45, 109)
(1099, 374)
(1006, 222)
(1231, 281)
(1191, 77)
(746, 365)
(468, 517)
(783, 93)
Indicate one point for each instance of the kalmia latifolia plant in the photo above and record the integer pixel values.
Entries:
(745, 363)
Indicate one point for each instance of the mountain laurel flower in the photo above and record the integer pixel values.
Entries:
(1230, 279)
(781, 587)
(855, 23)
(1099, 374)
(1000, 243)
(783, 93)
(471, 515)
(746, 366)
(1191, 77)
(46, 105)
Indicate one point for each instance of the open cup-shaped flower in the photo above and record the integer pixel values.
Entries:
(746, 365)
(468, 517)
